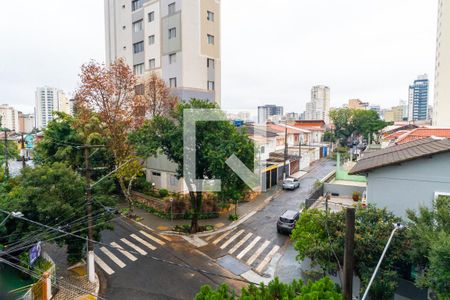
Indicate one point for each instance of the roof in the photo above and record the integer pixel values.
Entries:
(423, 132)
(252, 130)
(282, 128)
(289, 214)
(400, 153)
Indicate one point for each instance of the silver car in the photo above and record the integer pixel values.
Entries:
(291, 184)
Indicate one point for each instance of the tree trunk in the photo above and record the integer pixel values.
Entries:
(127, 195)
(196, 201)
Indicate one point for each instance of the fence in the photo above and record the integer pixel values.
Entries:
(35, 292)
(315, 194)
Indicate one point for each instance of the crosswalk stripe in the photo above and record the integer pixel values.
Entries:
(232, 239)
(143, 242)
(138, 249)
(114, 258)
(258, 252)
(210, 237)
(222, 237)
(152, 238)
(103, 265)
(248, 248)
(124, 252)
(241, 242)
(165, 237)
(267, 259)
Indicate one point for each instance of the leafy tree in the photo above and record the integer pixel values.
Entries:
(429, 233)
(322, 240)
(53, 195)
(215, 143)
(297, 290)
(157, 94)
(342, 122)
(12, 149)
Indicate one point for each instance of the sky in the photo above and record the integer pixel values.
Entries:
(273, 51)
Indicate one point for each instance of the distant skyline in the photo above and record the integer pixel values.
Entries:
(274, 54)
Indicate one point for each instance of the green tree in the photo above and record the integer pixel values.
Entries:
(53, 195)
(215, 143)
(321, 238)
(323, 289)
(342, 122)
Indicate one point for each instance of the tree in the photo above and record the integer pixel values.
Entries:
(110, 92)
(321, 238)
(158, 96)
(297, 290)
(215, 143)
(53, 195)
(342, 122)
(429, 233)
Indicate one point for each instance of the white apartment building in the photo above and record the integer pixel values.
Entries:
(49, 100)
(441, 109)
(177, 39)
(319, 107)
(9, 117)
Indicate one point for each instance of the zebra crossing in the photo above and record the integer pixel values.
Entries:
(251, 249)
(127, 250)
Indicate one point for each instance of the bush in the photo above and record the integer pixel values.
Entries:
(163, 193)
(233, 217)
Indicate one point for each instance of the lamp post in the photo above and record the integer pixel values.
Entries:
(397, 226)
(14, 214)
(171, 209)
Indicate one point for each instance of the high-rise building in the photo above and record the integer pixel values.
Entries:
(292, 116)
(319, 107)
(418, 99)
(48, 101)
(376, 108)
(357, 104)
(177, 39)
(441, 109)
(267, 111)
(9, 118)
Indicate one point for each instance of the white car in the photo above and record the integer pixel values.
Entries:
(291, 184)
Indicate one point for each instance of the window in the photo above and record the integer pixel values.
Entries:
(151, 16)
(210, 16)
(156, 174)
(172, 8)
(211, 85)
(172, 58)
(172, 33)
(151, 39)
(138, 47)
(152, 63)
(210, 63)
(124, 27)
(210, 39)
(138, 69)
(138, 26)
(136, 4)
(173, 180)
(173, 82)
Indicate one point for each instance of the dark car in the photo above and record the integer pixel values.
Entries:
(287, 221)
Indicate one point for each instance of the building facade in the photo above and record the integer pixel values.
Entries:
(418, 99)
(358, 104)
(319, 107)
(49, 100)
(9, 118)
(177, 39)
(441, 110)
(267, 112)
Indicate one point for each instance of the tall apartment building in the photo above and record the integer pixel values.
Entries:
(177, 39)
(358, 104)
(26, 122)
(267, 111)
(9, 118)
(319, 107)
(49, 100)
(418, 99)
(441, 109)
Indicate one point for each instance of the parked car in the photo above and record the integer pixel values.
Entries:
(287, 221)
(291, 184)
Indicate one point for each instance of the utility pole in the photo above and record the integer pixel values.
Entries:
(23, 152)
(285, 149)
(5, 131)
(90, 244)
(349, 253)
(299, 151)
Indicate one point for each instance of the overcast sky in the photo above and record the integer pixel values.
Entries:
(273, 51)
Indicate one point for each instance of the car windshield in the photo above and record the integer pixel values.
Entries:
(284, 220)
(289, 180)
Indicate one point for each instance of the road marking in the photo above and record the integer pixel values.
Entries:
(165, 237)
(232, 239)
(143, 242)
(222, 237)
(142, 252)
(210, 237)
(241, 242)
(113, 257)
(103, 265)
(152, 238)
(267, 259)
(258, 252)
(249, 247)
(124, 252)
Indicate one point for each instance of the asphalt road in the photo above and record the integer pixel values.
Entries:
(143, 276)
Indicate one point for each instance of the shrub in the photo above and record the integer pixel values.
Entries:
(163, 193)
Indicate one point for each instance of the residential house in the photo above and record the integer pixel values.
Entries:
(407, 176)
(316, 128)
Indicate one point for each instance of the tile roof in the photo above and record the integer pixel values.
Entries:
(400, 153)
(423, 132)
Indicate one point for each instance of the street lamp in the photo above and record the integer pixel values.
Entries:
(397, 226)
(171, 209)
(15, 214)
